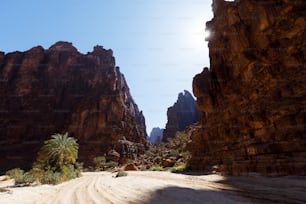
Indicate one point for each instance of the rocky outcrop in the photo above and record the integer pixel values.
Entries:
(253, 98)
(61, 90)
(156, 135)
(182, 114)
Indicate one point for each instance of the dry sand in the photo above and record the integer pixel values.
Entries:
(161, 187)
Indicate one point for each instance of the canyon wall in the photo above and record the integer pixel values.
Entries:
(253, 97)
(179, 116)
(60, 90)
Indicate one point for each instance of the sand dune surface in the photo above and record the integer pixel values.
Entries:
(160, 187)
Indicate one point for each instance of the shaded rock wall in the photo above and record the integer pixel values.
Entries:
(61, 90)
(156, 135)
(253, 98)
(179, 116)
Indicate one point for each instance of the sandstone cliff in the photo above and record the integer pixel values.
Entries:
(61, 90)
(182, 114)
(156, 135)
(253, 98)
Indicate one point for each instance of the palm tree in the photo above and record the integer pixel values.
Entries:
(58, 151)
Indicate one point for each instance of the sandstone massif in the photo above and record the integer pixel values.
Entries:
(183, 113)
(156, 135)
(58, 90)
(253, 97)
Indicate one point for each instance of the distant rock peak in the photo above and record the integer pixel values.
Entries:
(156, 135)
(63, 46)
(182, 114)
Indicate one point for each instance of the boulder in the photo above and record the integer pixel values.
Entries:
(130, 167)
(167, 163)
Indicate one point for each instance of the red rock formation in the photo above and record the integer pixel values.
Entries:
(61, 90)
(182, 114)
(253, 98)
(156, 135)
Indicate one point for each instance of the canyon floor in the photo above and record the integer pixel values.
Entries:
(161, 187)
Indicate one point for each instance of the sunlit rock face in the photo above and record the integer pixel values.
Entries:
(60, 90)
(179, 116)
(253, 97)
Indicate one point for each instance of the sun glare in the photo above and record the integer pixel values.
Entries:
(207, 34)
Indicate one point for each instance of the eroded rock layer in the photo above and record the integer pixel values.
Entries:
(61, 90)
(253, 98)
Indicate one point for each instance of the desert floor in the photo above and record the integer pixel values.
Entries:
(161, 187)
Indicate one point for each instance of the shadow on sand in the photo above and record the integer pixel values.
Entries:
(240, 189)
(182, 195)
(263, 189)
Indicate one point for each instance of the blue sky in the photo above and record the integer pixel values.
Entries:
(158, 44)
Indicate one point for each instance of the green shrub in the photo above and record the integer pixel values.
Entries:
(50, 177)
(99, 161)
(111, 164)
(174, 153)
(179, 168)
(157, 160)
(156, 168)
(181, 137)
(16, 173)
(79, 166)
(149, 153)
(69, 172)
(28, 178)
(130, 161)
(121, 173)
(20, 176)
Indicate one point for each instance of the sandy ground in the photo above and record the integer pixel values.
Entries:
(161, 187)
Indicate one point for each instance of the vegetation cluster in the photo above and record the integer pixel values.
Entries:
(55, 163)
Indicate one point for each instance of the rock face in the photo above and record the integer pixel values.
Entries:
(61, 90)
(253, 98)
(182, 114)
(156, 135)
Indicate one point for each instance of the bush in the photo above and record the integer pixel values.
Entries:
(69, 172)
(20, 176)
(16, 173)
(111, 164)
(130, 161)
(50, 177)
(99, 161)
(79, 166)
(157, 160)
(180, 168)
(149, 153)
(156, 168)
(121, 173)
(28, 178)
